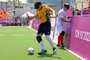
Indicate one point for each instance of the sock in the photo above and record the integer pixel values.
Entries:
(42, 45)
(62, 44)
(60, 39)
(51, 43)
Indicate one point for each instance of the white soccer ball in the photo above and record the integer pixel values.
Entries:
(30, 51)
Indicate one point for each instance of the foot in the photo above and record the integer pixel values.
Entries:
(42, 52)
(58, 45)
(54, 50)
(62, 46)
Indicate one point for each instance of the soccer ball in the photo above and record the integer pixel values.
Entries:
(30, 51)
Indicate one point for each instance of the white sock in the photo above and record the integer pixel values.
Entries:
(50, 41)
(42, 45)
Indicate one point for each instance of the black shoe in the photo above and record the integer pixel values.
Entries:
(62, 46)
(54, 50)
(42, 52)
(58, 45)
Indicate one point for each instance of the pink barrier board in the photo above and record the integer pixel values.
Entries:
(80, 36)
(35, 24)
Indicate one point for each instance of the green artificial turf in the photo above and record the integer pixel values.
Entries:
(14, 42)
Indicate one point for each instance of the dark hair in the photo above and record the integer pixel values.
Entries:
(62, 33)
(37, 4)
(67, 5)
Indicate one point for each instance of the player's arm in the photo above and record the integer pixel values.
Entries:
(62, 18)
(31, 17)
(68, 21)
(53, 14)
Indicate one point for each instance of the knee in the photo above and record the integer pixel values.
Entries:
(39, 39)
(62, 33)
(47, 37)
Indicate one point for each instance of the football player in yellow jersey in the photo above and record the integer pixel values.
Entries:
(43, 14)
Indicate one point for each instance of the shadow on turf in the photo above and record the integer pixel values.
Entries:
(62, 48)
(48, 55)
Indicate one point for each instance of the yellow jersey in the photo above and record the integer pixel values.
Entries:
(44, 14)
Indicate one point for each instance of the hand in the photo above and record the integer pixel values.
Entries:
(29, 17)
(69, 21)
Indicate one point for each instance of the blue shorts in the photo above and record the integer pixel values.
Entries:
(45, 28)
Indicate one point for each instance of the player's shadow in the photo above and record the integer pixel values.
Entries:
(48, 55)
(62, 48)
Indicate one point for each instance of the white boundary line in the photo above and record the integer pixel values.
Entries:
(65, 48)
(71, 52)
(75, 54)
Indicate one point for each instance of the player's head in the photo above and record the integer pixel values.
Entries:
(38, 5)
(62, 33)
(66, 6)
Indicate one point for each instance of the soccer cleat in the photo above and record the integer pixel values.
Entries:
(42, 52)
(58, 45)
(62, 46)
(54, 50)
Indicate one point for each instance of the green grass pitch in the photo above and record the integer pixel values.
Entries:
(14, 42)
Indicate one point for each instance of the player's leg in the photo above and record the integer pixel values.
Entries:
(51, 43)
(61, 37)
(58, 40)
(43, 49)
(39, 39)
(59, 30)
(47, 31)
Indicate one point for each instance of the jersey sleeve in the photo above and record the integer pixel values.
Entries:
(37, 14)
(49, 9)
(61, 15)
